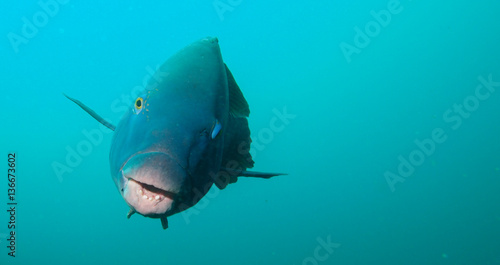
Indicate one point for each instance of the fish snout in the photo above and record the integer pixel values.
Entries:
(152, 182)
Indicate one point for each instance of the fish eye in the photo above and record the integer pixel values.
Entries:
(139, 103)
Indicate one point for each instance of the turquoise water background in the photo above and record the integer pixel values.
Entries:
(391, 142)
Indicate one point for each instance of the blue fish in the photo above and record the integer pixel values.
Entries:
(185, 132)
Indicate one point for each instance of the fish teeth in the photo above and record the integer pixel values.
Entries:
(146, 197)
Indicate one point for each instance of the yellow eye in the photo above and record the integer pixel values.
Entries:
(139, 104)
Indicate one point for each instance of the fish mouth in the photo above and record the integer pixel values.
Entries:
(151, 183)
(146, 199)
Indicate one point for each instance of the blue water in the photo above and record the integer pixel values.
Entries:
(392, 141)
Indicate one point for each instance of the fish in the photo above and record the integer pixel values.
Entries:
(185, 132)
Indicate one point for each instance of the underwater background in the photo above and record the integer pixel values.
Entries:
(389, 130)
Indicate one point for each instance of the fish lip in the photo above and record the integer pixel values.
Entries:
(169, 194)
(126, 179)
(148, 152)
(146, 196)
(146, 202)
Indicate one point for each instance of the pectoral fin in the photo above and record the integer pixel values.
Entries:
(164, 222)
(130, 213)
(253, 174)
(92, 113)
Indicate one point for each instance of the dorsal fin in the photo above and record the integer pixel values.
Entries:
(92, 113)
(238, 105)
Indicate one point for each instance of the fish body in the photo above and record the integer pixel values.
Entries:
(185, 132)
